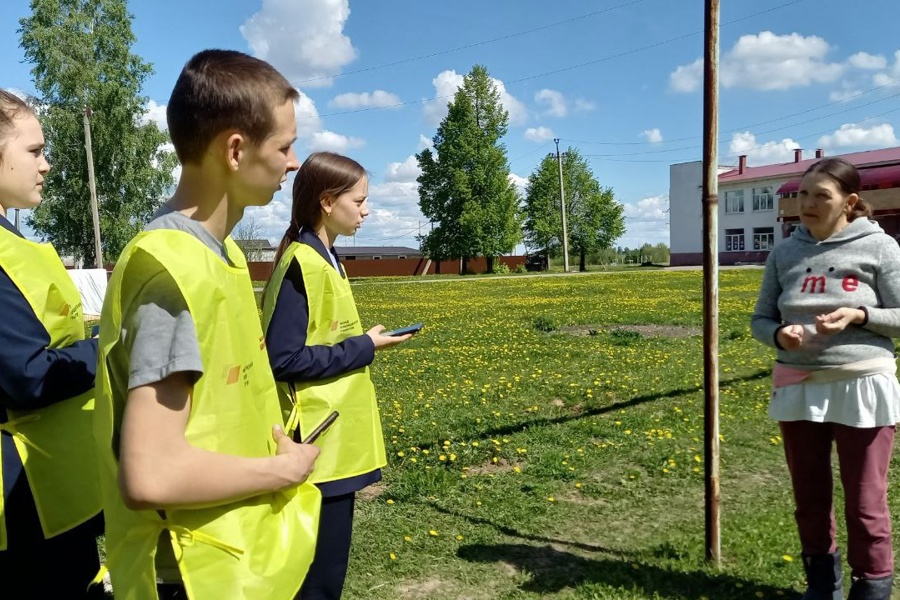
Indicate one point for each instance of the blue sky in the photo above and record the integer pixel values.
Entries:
(617, 79)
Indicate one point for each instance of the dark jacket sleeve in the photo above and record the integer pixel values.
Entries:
(32, 375)
(291, 358)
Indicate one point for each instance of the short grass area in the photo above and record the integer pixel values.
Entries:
(542, 445)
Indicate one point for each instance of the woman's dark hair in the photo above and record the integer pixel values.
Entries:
(847, 177)
(11, 107)
(321, 175)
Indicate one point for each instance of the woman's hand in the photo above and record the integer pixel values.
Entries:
(838, 320)
(790, 337)
(385, 341)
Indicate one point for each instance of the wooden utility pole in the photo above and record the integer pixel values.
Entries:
(562, 208)
(92, 184)
(711, 279)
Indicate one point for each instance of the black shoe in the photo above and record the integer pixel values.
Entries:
(871, 589)
(823, 577)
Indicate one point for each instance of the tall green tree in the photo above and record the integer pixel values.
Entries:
(81, 56)
(593, 217)
(464, 188)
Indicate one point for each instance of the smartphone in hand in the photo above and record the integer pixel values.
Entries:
(323, 426)
(404, 330)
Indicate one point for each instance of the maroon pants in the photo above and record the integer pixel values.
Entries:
(863, 456)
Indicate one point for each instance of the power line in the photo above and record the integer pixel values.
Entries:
(561, 70)
(473, 45)
(744, 127)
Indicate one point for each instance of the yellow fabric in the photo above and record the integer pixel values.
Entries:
(259, 548)
(55, 443)
(354, 444)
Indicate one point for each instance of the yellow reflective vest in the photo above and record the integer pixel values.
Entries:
(55, 443)
(354, 445)
(259, 548)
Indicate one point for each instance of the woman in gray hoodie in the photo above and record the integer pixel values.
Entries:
(830, 304)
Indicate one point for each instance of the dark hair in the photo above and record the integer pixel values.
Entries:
(322, 174)
(220, 90)
(847, 177)
(11, 107)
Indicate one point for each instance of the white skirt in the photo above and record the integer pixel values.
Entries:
(870, 401)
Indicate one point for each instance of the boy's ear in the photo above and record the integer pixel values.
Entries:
(235, 145)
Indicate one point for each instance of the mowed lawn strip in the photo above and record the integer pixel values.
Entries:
(542, 446)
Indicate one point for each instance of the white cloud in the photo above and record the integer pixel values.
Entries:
(308, 121)
(329, 141)
(404, 172)
(864, 60)
(304, 39)
(891, 75)
(553, 101)
(654, 136)
(17, 92)
(844, 92)
(394, 216)
(762, 153)
(155, 113)
(583, 105)
(851, 134)
(538, 134)
(687, 78)
(425, 142)
(377, 99)
(445, 85)
(766, 62)
(520, 183)
(646, 221)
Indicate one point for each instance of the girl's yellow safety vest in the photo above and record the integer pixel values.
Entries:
(55, 443)
(354, 445)
(259, 548)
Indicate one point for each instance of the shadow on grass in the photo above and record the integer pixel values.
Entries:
(552, 570)
(599, 410)
(505, 530)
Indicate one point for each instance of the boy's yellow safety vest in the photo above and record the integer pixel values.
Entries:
(354, 445)
(55, 443)
(259, 548)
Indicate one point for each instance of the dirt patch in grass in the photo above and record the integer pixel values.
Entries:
(370, 493)
(421, 589)
(501, 466)
(667, 331)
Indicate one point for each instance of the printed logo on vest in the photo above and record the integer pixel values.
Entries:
(334, 325)
(262, 342)
(65, 310)
(233, 374)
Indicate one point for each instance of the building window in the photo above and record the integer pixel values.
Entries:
(734, 240)
(763, 198)
(734, 201)
(763, 238)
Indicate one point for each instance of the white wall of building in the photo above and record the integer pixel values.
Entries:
(686, 211)
(686, 207)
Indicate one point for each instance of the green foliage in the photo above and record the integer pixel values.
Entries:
(81, 55)
(593, 217)
(544, 325)
(464, 187)
(500, 268)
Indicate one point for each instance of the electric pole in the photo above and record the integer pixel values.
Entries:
(92, 184)
(562, 207)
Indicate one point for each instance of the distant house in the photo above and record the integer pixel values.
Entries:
(376, 252)
(257, 250)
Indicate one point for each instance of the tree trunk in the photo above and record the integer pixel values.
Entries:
(490, 264)
(463, 265)
(582, 261)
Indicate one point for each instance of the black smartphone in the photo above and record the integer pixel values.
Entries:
(404, 330)
(324, 425)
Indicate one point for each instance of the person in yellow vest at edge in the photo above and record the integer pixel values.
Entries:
(49, 509)
(203, 492)
(318, 349)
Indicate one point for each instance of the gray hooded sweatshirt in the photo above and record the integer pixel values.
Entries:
(857, 267)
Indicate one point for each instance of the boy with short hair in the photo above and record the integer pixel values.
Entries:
(199, 488)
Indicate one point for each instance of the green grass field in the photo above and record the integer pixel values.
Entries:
(538, 450)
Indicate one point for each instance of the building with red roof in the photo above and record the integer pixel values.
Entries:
(758, 206)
